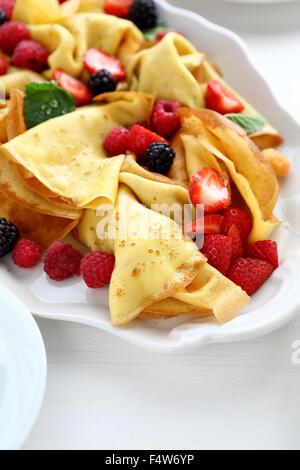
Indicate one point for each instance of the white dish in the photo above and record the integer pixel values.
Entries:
(273, 306)
(22, 371)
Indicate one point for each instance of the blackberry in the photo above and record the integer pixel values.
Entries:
(3, 17)
(102, 82)
(9, 235)
(143, 13)
(159, 158)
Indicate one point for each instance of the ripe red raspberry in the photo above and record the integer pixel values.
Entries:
(11, 34)
(62, 261)
(117, 141)
(30, 55)
(3, 66)
(97, 269)
(165, 120)
(7, 6)
(26, 253)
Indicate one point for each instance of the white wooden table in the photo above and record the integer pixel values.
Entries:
(105, 394)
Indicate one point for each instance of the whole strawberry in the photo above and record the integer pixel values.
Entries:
(239, 218)
(141, 138)
(218, 251)
(266, 250)
(97, 269)
(250, 274)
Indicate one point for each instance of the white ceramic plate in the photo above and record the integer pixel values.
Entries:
(273, 306)
(22, 371)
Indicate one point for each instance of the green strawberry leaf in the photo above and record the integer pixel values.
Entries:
(150, 34)
(44, 101)
(250, 124)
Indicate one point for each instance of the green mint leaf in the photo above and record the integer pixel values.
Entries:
(150, 34)
(44, 101)
(250, 124)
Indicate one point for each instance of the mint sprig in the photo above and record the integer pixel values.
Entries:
(44, 101)
(250, 124)
(150, 34)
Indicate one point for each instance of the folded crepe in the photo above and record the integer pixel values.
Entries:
(45, 11)
(144, 265)
(166, 70)
(210, 140)
(64, 158)
(18, 79)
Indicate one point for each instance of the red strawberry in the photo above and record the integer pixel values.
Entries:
(162, 34)
(165, 120)
(210, 223)
(117, 141)
(218, 251)
(95, 60)
(220, 99)
(7, 6)
(238, 217)
(120, 8)
(237, 244)
(79, 90)
(209, 188)
(266, 250)
(141, 138)
(3, 66)
(250, 274)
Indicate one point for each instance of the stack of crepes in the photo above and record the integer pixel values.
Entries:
(54, 177)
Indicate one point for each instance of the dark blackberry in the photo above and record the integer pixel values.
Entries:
(143, 13)
(102, 82)
(3, 17)
(159, 158)
(9, 235)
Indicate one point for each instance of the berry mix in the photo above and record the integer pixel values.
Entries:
(225, 227)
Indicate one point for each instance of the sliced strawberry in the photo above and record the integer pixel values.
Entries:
(79, 90)
(220, 99)
(266, 250)
(209, 188)
(210, 223)
(250, 274)
(140, 138)
(95, 60)
(120, 8)
(218, 251)
(237, 244)
(238, 217)
(161, 34)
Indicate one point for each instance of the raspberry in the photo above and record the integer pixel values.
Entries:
(159, 158)
(238, 217)
(26, 253)
(117, 141)
(218, 251)
(143, 13)
(30, 55)
(9, 235)
(265, 250)
(250, 274)
(7, 6)
(62, 261)
(102, 82)
(11, 34)
(97, 269)
(165, 120)
(3, 66)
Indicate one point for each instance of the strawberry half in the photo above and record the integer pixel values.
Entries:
(250, 274)
(210, 223)
(209, 188)
(141, 138)
(238, 217)
(237, 244)
(218, 251)
(266, 250)
(79, 90)
(95, 60)
(220, 99)
(120, 8)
